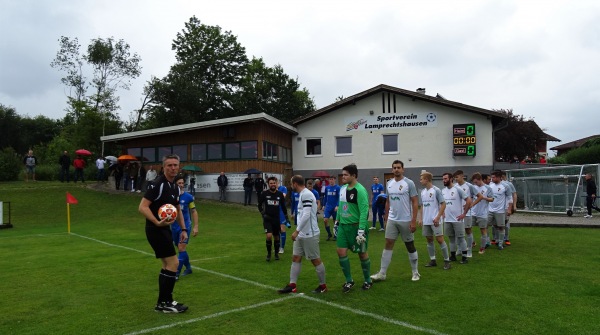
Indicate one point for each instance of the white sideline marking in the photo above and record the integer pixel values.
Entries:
(342, 307)
(207, 259)
(202, 318)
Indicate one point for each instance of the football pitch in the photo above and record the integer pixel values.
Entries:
(103, 277)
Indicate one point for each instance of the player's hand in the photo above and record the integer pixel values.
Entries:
(460, 217)
(412, 226)
(436, 222)
(195, 231)
(360, 236)
(164, 223)
(294, 235)
(183, 236)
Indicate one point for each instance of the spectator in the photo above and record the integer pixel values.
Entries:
(117, 171)
(65, 164)
(30, 162)
(100, 166)
(141, 179)
(133, 174)
(248, 184)
(79, 164)
(151, 175)
(222, 182)
(543, 160)
(259, 185)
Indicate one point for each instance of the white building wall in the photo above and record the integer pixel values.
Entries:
(422, 147)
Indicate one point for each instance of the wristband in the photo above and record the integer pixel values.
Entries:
(184, 229)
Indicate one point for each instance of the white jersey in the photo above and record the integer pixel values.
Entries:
(454, 198)
(480, 210)
(502, 197)
(431, 200)
(307, 214)
(470, 190)
(399, 195)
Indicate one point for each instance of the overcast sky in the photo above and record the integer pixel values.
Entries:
(540, 58)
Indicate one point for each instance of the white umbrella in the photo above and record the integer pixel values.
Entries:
(111, 158)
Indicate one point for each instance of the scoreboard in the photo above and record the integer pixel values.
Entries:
(464, 140)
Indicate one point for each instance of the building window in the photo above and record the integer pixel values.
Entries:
(343, 145)
(232, 150)
(270, 151)
(249, 150)
(181, 151)
(313, 147)
(198, 152)
(149, 155)
(215, 151)
(163, 151)
(137, 152)
(390, 144)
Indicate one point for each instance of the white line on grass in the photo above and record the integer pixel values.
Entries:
(345, 308)
(202, 318)
(207, 259)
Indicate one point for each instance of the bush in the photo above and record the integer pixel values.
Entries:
(10, 164)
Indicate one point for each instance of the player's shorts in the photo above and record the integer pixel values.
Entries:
(307, 247)
(176, 232)
(346, 238)
(271, 225)
(468, 221)
(480, 222)
(454, 229)
(329, 212)
(497, 219)
(160, 240)
(431, 230)
(393, 229)
(30, 169)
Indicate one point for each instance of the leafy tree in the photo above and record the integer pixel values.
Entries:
(588, 153)
(272, 91)
(10, 164)
(517, 136)
(22, 133)
(210, 64)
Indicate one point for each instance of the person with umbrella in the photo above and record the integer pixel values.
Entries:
(248, 183)
(78, 164)
(100, 166)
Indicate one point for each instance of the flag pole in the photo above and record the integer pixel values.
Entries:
(68, 218)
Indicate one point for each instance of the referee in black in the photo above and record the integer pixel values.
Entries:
(161, 191)
(268, 205)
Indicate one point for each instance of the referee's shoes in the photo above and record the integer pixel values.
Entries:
(170, 307)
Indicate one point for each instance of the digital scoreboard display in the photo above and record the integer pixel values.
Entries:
(464, 140)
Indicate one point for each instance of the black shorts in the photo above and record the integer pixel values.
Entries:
(271, 224)
(161, 241)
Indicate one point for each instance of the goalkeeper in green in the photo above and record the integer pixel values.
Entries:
(352, 226)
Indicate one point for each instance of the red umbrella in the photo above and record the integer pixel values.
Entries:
(320, 174)
(83, 152)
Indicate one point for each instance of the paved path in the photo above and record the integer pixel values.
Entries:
(521, 219)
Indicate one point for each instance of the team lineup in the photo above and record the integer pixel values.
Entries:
(452, 211)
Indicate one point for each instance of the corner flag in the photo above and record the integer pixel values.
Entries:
(70, 200)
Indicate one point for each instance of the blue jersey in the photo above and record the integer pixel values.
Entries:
(376, 189)
(316, 193)
(186, 201)
(295, 199)
(282, 215)
(332, 196)
(380, 199)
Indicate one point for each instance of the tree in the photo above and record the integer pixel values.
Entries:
(272, 91)
(517, 137)
(210, 64)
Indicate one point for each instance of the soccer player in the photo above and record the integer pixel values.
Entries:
(480, 209)
(590, 198)
(188, 210)
(514, 208)
(454, 215)
(376, 189)
(500, 207)
(270, 203)
(353, 220)
(283, 218)
(331, 201)
(401, 220)
(306, 238)
(164, 191)
(432, 211)
(294, 203)
(471, 192)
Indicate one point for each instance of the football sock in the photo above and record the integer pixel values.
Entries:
(321, 273)
(277, 246)
(295, 271)
(166, 285)
(181, 259)
(345, 264)
(386, 259)
(413, 257)
(186, 260)
(444, 248)
(506, 231)
(365, 264)
(431, 250)
(283, 236)
(469, 241)
(500, 237)
(161, 284)
(452, 243)
(328, 229)
(463, 245)
(269, 244)
(483, 241)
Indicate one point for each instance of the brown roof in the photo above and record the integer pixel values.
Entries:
(574, 144)
(496, 116)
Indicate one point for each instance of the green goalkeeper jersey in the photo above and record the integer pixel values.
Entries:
(354, 206)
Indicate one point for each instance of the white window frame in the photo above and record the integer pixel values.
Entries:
(336, 146)
(306, 154)
(383, 145)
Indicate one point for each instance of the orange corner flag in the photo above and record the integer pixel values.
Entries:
(71, 199)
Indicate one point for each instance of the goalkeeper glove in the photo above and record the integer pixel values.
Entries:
(360, 237)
